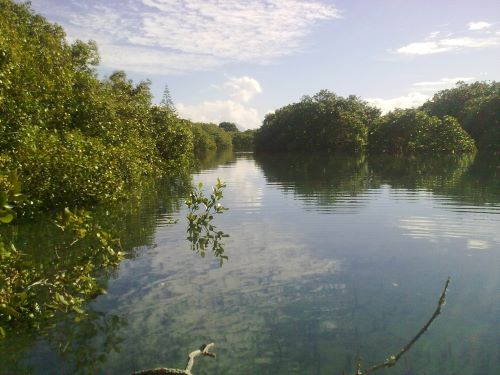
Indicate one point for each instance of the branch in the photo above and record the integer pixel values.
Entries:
(204, 350)
(393, 359)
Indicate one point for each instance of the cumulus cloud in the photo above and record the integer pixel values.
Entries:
(441, 84)
(410, 100)
(240, 91)
(422, 91)
(172, 32)
(221, 110)
(479, 25)
(243, 89)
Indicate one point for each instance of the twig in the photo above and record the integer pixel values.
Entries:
(393, 359)
(204, 350)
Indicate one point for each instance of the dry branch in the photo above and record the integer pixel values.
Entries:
(204, 350)
(393, 359)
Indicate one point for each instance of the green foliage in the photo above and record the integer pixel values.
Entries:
(174, 139)
(482, 122)
(229, 126)
(32, 295)
(244, 141)
(36, 72)
(202, 141)
(209, 137)
(414, 131)
(324, 122)
(74, 139)
(201, 233)
(10, 193)
(69, 168)
(476, 107)
(166, 100)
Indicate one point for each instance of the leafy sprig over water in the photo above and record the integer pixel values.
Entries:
(201, 232)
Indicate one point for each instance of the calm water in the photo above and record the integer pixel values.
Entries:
(328, 257)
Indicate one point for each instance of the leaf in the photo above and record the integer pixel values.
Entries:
(6, 218)
(3, 198)
(9, 310)
(61, 299)
(77, 309)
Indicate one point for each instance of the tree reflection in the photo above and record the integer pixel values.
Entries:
(325, 181)
(320, 180)
(419, 172)
(86, 345)
(470, 179)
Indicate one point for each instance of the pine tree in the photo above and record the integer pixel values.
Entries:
(166, 100)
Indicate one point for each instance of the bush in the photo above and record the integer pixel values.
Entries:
(209, 137)
(476, 107)
(244, 141)
(324, 122)
(414, 131)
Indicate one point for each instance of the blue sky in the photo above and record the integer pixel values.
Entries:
(236, 60)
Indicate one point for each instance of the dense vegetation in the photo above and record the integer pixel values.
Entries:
(323, 122)
(209, 138)
(454, 121)
(73, 138)
(242, 141)
(413, 131)
(476, 106)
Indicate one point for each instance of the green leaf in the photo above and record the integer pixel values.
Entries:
(9, 310)
(3, 198)
(6, 218)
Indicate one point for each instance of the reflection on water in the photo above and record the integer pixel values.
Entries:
(328, 257)
(320, 181)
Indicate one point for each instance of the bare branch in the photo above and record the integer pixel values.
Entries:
(393, 359)
(204, 350)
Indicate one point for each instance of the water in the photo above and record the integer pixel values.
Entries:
(329, 257)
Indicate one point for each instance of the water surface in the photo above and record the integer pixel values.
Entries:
(329, 257)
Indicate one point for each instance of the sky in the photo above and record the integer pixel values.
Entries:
(237, 60)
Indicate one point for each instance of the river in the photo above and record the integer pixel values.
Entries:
(329, 257)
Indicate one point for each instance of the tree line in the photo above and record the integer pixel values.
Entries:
(73, 138)
(457, 120)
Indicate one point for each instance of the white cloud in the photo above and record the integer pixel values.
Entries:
(422, 48)
(441, 84)
(221, 110)
(170, 32)
(412, 99)
(479, 25)
(447, 44)
(139, 59)
(440, 42)
(243, 89)
(423, 91)
(236, 109)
